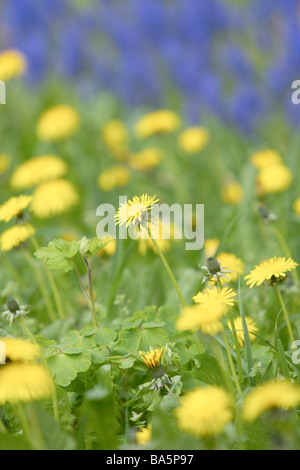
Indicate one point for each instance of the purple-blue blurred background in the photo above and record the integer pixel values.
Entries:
(235, 59)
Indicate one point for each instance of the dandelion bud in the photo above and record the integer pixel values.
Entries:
(12, 305)
(213, 266)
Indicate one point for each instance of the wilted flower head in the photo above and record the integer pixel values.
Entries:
(14, 310)
(214, 270)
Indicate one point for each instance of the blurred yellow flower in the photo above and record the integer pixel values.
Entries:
(296, 206)
(212, 296)
(146, 159)
(264, 158)
(22, 379)
(210, 247)
(58, 122)
(14, 207)
(194, 139)
(232, 263)
(157, 122)
(16, 349)
(273, 394)
(144, 435)
(115, 136)
(14, 236)
(206, 318)
(116, 176)
(12, 64)
(271, 270)
(37, 170)
(232, 193)
(274, 179)
(4, 162)
(53, 198)
(205, 411)
(110, 246)
(238, 326)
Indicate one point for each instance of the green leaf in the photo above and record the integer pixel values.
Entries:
(11, 442)
(104, 336)
(143, 339)
(53, 436)
(210, 371)
(57, 255)
(65, 368)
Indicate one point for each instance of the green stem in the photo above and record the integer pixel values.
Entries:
(56, 295)
(231, 363)
(286, 315)
(91, 292)
(237, 350)
(285, 250)
(42, 287)
(37, 437)
(168, 269)
(19, 411)
(44, 360)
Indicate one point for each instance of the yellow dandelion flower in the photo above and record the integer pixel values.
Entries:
(214, 295)
(296, 206)
(14, 207)
(133, 212)
(194, 139)
(115, 136)
(16, 349)
(273, 394)
(271, 270)
(274, 179)
(58, 122)
(144, 435)
(205, 411)
(12, 64)
(232, 193)
(146, 159)
(53, 198)
(116, 176)
(210, 247)
(157, 122)
(14, 236)
(152, 358)
(238, 326)
(233, 264)
(4, 162)
(38, 170)
(264, 158)
(202, 317)
(24, 382)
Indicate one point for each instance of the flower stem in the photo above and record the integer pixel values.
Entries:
(231, 363)
(91, 292)
(56, 295)
(237, 350)
(286, 315)
(44, 360)
(168, 269)
(42, 287)
(285, 250)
